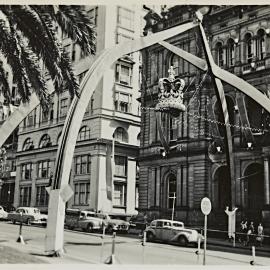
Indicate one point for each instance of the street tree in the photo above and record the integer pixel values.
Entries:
(31, 45)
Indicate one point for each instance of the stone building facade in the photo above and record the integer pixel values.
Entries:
(113, 112)
(240, 43)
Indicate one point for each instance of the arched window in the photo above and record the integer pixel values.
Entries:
(260, 44)
(45, 141)
(120, 135)
(230, 53)
(84, 134)
(220, 54)
(171, 190)
(28, 144)
(249, 47)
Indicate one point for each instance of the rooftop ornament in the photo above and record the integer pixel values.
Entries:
(170, 96)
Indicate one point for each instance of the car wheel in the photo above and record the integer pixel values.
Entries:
(28, 221)
(182, 240)
(150, 237)
(89, 228)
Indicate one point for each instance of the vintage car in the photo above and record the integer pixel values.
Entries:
(3, 213)
(115, 222)
(171, 231)
(28, 215)
(83, 219)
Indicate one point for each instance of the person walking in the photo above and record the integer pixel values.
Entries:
(250, 233)
(259, 238)
(243, 231)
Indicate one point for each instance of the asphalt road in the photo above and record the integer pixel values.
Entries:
(88, 248)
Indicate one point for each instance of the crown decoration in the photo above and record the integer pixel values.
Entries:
(170, 96)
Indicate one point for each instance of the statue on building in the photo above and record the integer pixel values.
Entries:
(231, 222)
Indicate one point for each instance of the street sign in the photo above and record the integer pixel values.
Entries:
(206, 206)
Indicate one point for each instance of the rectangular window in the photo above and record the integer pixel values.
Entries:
(120, 166)
(83, 164)
(123, 74)
(81, 193)
(119, 198)
(120, 38)
(92, 14)
(31, 119)
(44, 169)
(173, 128)
(26, 171)
(25, 196)
(63, 107)
(42, 196)
(123, 102)
(125, 18)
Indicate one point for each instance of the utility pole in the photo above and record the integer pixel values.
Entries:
(173, 197)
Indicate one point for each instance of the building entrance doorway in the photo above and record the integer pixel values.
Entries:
(254, 191)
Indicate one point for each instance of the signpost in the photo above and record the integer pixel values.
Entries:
(206, 209)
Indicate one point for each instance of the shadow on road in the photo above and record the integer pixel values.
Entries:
(92, 244)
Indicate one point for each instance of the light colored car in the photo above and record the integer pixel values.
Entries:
(28, 215)
(85, 220)
(171, 231)
(115, 222)
(3, 213)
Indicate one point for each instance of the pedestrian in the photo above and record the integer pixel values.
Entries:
(250, 233)
(259, 238)
(243, 232)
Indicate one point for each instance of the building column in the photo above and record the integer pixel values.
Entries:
(33, 185)
(266, 181)
(16, 200)
(131, 186)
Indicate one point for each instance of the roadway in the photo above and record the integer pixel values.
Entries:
(89, 248)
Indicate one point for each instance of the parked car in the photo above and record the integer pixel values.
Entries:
(138, 223)
(115, 222)
(85, 220)
(171, 231)
(28, 215)
(3, 213)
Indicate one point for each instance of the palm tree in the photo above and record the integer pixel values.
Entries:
(31, 45)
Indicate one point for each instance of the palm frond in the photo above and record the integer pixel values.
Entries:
(11, 50)
(39, 37)
(4, 83)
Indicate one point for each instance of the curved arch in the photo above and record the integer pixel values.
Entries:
(28, 144)
(88, 85)
(84, 134)
(45, 141)
(121, 135)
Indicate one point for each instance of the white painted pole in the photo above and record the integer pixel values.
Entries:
(173, 205)
(253, 256)
(102, 243)
(143, 244)
(205, 238)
